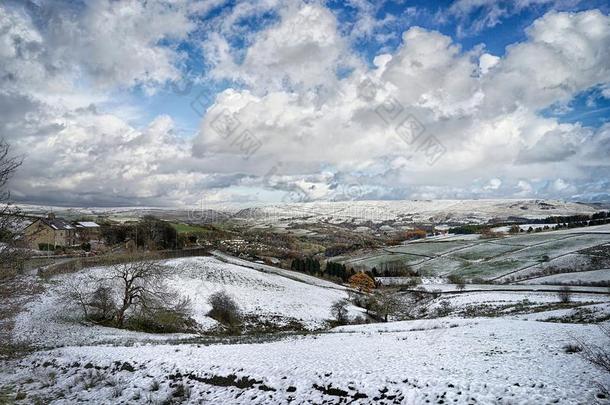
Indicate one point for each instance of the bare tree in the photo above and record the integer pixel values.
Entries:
(141, 287)
(10, 256)
(598, 356)
(93, 296)
(136, 292)
(564, 294)
(385, 303)
(338, 310)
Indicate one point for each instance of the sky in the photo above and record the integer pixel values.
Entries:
(178, 103)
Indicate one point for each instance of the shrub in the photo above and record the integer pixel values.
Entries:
(49, 247)
(444, 308)
(224, 309)
(572, 348)
(514, 229)
(154, 386)
(182, 391)
(162, 321)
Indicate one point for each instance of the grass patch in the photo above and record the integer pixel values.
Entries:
(186, 228)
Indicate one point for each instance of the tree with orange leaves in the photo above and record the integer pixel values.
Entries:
(362, 282)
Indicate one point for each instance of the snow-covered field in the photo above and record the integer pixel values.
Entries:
(483, 361)
(592, 276)
(49, 322)
(407, 211)
(477, 346)
(258, 293)
(501, 259)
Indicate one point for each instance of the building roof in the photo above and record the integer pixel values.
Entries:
(58, 224)
(87, 224)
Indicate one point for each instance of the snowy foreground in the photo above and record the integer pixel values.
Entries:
(436, 361)
(515, 356)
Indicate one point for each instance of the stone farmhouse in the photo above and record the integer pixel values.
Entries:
(52, 232)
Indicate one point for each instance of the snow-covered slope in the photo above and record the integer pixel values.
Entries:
(406, 211)
(48, 321)
(435, 211)
(260, 293)
(483, 361)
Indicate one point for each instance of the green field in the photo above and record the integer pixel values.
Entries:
(381, 257)
(485, 258)
(186, 228)
(430, 249)
(483, 251)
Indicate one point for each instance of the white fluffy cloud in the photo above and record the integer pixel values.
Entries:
(490, 119)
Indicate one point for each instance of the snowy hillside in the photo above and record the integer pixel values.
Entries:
(407, 211)
(48, 323)
(488, 361)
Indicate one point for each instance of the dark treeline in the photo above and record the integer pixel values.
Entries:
(332, 270)
(599, 218)
(394, 268)
(307, 265)
(570, 221)
(150, 233)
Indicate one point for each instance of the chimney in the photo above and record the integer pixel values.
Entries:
(50, 215)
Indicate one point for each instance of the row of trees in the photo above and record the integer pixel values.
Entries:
(583, 218)
(307, 265)
(393, 268)
(332, 270)
(554, 222)
(150, 233)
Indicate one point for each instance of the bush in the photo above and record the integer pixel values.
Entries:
(444, 309)
(163, 321)
(224, 309)
(572, 348)
(49, 247)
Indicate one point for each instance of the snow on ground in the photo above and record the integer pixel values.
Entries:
(276, 270)
(257, 292)
(524, 227)
(441, 287)
(573, 278)
(504, 297)
(485, 361)
(438, 211)
(49, 322)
